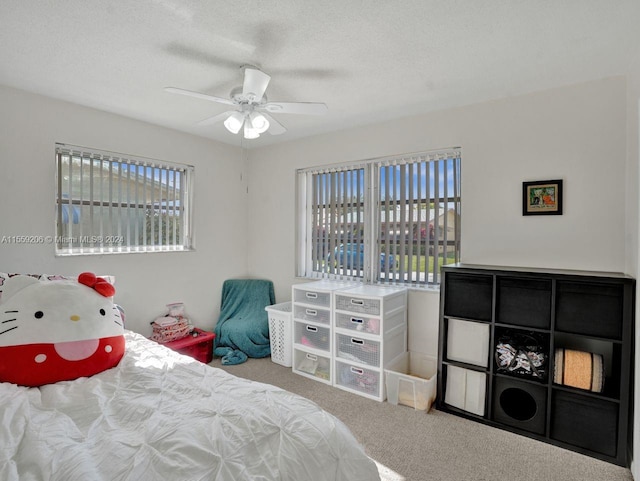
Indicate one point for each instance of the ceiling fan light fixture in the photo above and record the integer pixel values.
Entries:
(234, 122)
(250, 133)
(258, 122)
(248, 98)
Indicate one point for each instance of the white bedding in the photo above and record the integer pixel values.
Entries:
(159, 415)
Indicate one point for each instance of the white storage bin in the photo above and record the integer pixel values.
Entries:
(468, 342)
(280, 332)
(411, 380)
(466, 389)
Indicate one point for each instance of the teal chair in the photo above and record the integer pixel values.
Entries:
(242, 329)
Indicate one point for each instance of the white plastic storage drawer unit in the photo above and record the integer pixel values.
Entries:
(370, 330)
(313, 328)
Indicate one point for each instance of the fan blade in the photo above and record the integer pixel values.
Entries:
(216, 118)
(305, 108)
(198, 95)
(255, 84)
(275, 127)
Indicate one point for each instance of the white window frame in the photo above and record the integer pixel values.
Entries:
(163, 192)
(398, 233)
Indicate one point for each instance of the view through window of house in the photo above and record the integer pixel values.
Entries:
(110, 203)
(391, 220)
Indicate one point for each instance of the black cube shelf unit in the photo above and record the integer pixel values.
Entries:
(552, 309)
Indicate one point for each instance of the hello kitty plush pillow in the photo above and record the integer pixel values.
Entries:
(58, 330)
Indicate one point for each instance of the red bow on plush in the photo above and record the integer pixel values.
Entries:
(101, 286)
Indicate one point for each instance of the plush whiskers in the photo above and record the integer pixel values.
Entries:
(117, 314)
(8, 320)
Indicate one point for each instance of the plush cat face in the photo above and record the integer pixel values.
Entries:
(57, 330)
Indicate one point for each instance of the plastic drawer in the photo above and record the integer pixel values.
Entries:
(358, 323)
(345, 302)
(362, 380)
(312, 365)
(315, 337)
(316, 298)
(322, 316)
(358, 349)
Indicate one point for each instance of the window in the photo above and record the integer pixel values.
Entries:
(392, 220)
(111, 203)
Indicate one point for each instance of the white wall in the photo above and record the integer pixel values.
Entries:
(633, 234)
(30, 125)
(576, 133)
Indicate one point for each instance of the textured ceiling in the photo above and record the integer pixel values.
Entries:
(369, 61)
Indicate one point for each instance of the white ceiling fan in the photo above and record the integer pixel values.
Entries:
(252, 107)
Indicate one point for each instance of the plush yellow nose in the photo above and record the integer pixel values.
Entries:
(75, 318)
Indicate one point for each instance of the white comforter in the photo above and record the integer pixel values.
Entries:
(159, 415)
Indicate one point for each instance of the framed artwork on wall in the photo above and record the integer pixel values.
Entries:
(542, 197)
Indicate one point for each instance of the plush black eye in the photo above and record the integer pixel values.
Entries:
(102, 312)
(39, 314)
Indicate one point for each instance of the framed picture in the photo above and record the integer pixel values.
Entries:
(542, 197)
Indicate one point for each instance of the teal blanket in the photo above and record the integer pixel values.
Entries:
(243, 327)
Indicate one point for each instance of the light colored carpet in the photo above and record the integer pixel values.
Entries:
(411, 445)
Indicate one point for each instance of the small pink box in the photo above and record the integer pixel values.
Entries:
(198, 346)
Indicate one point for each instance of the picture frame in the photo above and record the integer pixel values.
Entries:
(542, 197)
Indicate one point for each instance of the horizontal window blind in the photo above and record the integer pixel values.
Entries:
(111, 203)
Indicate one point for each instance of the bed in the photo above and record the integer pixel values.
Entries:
(160, 415)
